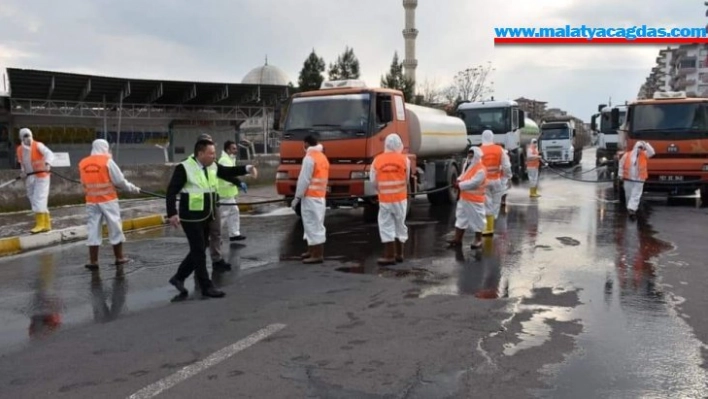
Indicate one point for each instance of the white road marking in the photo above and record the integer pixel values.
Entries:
(215, 358)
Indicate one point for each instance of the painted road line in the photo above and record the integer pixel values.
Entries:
(215, 358)
(9, 246)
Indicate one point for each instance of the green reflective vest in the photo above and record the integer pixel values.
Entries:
(198, 185)
(227, 189)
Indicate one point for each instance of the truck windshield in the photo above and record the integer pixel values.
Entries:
(330, 117)
(555, 134)
(676, 121)
(479, 119)
(606, 122)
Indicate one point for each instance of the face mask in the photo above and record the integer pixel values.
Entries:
(27, 141)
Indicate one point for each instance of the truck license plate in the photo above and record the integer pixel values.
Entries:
(671, 178)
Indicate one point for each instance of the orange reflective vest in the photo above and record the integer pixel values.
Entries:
(390, 168)
(492, 160)
(641, 161)
(96, 179)
(533, 163)
(36, 158)
(320, 176)
(478, 194)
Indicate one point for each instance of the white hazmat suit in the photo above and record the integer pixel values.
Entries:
(634, 183)
(37, 187)
(312, 209)
(108, 211)
(533, 163)
(471, 215)
(392, 216)
(495, 187)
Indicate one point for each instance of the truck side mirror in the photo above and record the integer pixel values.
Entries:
(615, 119)
(593, 123)
(522, 119)
(600, 107)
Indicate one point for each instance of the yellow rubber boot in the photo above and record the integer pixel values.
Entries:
(489, 228)
(38, 223)
(47, 226)
(534, 192)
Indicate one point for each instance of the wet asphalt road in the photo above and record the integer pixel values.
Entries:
(569, 299)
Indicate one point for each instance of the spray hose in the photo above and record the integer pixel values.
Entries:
(600, 181)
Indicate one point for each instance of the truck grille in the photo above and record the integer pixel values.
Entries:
(611, 146)
(553, 154)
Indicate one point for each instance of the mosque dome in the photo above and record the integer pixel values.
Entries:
(266, 75)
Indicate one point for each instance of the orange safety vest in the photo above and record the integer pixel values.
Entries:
(492, 159)
(390, 168)
(533, 163)
(320, 176)
(36, 158)
(642, 161)
(477, 195)
(96, 180)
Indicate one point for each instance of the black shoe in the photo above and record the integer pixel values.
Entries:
(179, 285)
(237, 238)
(91, 266)
(221, 265)
(213, 293)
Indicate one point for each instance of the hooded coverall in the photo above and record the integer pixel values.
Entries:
(471, 210)
(100, 176)
(312, 191)
(633, 166)
(390, 173)
(498, 167)
(34, 157)
(228, 192)
(533, 163)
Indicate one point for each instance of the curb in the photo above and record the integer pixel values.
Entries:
(15, 245)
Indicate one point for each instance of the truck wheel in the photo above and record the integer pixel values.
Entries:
(371, 213)
(449, 196)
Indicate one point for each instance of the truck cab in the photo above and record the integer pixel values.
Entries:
(558, 141)
(608, 139)
(505, 120)
(676, 126)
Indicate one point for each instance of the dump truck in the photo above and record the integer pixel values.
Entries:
(352, 121)
(676, 126)
(506, 120)
(559, 142)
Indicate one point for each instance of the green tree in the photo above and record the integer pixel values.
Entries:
(346, 66)
(396, 80)
(311, 77)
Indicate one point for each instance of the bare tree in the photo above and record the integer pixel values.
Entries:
(430, 91)
(449, 94)
(471, 84)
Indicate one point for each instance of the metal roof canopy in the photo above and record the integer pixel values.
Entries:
(59, 86)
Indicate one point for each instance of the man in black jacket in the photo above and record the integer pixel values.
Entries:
(196, 184)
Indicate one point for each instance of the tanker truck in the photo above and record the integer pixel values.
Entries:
(505, 120)
(351, 121)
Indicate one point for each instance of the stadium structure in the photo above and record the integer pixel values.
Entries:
(146, 121)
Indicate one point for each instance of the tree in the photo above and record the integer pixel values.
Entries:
(471, 84)
(396, 80)
(430, 92)
(346, 66)
(311, 77)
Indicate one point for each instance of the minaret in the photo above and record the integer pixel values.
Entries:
(409, 34)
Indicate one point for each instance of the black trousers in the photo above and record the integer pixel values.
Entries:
(197, 234)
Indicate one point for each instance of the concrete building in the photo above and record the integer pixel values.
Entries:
(681, 68)
(534, 109)
(410, 33)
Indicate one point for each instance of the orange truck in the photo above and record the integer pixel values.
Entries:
(676, 126)
(351, 121)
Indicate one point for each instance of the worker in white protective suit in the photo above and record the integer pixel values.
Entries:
(100, 176)
(633, 171)
(533, 164)
(498, 165)
(35, 161)
(228, 192)
(471, 209)
(390, 174)
(311, 193)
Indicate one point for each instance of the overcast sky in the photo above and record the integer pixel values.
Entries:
(220, 40)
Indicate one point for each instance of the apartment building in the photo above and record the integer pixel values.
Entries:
(683, 68)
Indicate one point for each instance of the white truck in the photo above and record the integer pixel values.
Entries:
(559, 143)
(506, 120)
(608, 139)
